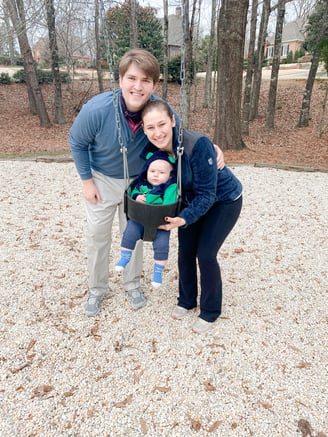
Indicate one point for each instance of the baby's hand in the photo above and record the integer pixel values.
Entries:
(141, 198)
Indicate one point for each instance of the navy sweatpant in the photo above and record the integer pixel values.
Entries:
(201, 241)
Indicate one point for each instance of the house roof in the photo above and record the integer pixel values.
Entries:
(293, 31)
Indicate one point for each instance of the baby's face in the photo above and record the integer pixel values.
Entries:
(159, 172)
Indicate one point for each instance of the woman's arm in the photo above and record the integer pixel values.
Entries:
(204, 180)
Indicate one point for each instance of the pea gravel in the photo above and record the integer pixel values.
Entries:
(262, 370)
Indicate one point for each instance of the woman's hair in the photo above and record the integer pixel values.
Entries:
(145, 61)
(159, 105)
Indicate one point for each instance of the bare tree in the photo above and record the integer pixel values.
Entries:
(257, 81)
(98, 48)
(195, 20)
(166, 48)
(231, 40)
(133, 24)
(36, 102)
(75, 35)
(271, 109)
(9, 34)
(209, 67)
(302, 8)
(319, 30)
(186, 62)
(323, 125)
(250, 70)
(58, 99)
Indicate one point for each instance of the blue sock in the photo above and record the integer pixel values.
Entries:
(157, 277)
(125, 258)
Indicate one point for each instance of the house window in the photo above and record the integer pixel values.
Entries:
(284, 50)
(270, 52)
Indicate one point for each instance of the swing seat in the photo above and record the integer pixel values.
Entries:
(150, 216)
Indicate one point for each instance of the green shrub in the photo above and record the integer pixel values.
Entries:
(174, 70)
(299, 54)
(44, 76)
(290, 57)
(5, 60)
(5, 79)
(19, 76)
(174, 66)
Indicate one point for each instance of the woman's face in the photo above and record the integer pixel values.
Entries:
(158, 128)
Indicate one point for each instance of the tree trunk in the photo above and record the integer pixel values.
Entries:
(166, 49)
(306, 102)
(194, 28)
(186, 63)
(318, 32)
(271, 109)
(231, 40)
(37, 105)
(58, 99)
(98, 49)
(322, 125)
(250, 70)
(208, 78)
(9, 34)
(257, 81)
(133, 24)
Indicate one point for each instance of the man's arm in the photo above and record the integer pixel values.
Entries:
(219, 157)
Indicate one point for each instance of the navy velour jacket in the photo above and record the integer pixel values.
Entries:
(202, 183)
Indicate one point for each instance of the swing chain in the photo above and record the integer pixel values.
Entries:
(109, 59)
(182, 84)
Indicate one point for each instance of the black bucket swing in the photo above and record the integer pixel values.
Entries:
(151, 216)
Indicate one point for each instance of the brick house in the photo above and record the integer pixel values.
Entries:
(292, 39)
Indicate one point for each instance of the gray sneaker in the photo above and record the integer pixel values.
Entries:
(92, 307)
(137, 299)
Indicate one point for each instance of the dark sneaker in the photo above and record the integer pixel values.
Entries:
(92, 307)
(137, 299)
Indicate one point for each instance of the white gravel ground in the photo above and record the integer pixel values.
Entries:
(262, 371)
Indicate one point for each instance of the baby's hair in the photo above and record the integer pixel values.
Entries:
(157, 104)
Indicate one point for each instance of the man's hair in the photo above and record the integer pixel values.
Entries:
(144, 60)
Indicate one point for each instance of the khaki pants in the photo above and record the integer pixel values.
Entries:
(100, 219)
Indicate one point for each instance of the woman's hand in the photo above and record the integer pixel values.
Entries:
(219, 157)
(172, 223)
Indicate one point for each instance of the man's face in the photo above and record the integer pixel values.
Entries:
(136, 88)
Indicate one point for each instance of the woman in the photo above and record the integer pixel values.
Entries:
(211, 204)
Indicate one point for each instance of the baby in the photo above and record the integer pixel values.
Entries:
(156, 185)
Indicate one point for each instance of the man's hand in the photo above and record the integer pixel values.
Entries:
(219, 157)
(90, 191)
